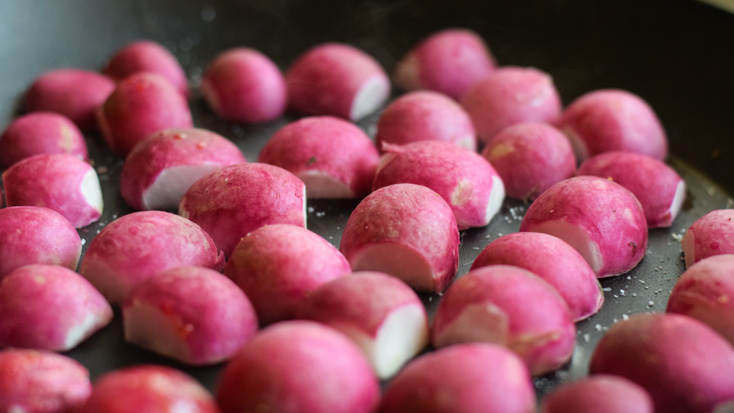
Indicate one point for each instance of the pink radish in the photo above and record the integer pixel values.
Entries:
(40, 133)
(147, 56)
(600, 394)
(712, 234)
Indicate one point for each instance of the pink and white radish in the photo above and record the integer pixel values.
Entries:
(36, 235)
(530, 158)
(39, 133)
(142, 104)
(61, 182)
(147, 56)
(712, 234)
(683, 364)
(380, 313)
(500, 304)
(333, 157)
(600, 394)
(336, 79)
(508, 96)
(465, 180)
(407, 231)
(49, 307)
(613, 120)
(74, 93)
(137, 246)
(554, 261)
(298, 366)
(244, 85)
(603, 221)
(425, 116)
(41, 382)
(159, 170)
(278, 266)
(449, 62)
(660, 190)
(466, 378)
(238, 199)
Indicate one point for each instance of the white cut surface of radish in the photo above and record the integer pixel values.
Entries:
(403, 262)
(92, 191)
(370, 96)
(481, 322)
(143, 321)
(403, 333)
(577, 238)
(323, 185)
(496, 197)
(172, 183)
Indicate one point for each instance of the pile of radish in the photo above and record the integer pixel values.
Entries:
(196, 286)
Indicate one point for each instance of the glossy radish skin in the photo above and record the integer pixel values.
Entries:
(159, 170)
(603, 221)
(465, 180)
(40, 133)
(279, 265)
(600, 393)
(147, 56)
(49, 307)
(554, 261)
(407, 231)
(334, 157)
(712, 234)
(660, 190)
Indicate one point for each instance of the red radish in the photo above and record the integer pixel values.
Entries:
(49, 307)
(467, 378)
(336, 79)
(142, 104)
(159, 170)
(192, 314)
(243, 85)
(600, 394)
(60, 182)
(147, 56)
(603, 221)
(501, 304)
(407, 231)
(712, 234)
(148, 388)
(279, 265)
(530, 158)
(465, 180)
(425, 116)
(333, 157)
(298, 366)
(41, 382)
(137, 246)
(40, 133)
(682, 363)
(552, 260)
(76, 94)
(508, 96)
(660, 190)
(378, 312)
(449, 62)
(238, 199)
(36, 235)
(613, 120)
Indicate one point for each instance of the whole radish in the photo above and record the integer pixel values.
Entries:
(39, 133)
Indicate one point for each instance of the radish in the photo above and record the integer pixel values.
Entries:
(333, 157)
(298, 366)
(279, 265)
(243, 85)
(449, 62)
(380, 313)
(60, 182)
(530, 158)
(501, 304)
(682, 363)
(36, 235)
(336, 79)
(660, 190)
(613, 120)
(466, 378)
(407, 231)
(712, 234)
(552, 260)
(603, 221)
(40, 133)
(159, 170)
(425, 116)
(41, 382)
(509, 96)
(147, 56)
(137, 246)
(49, 307)
(238, 199)
(465, 180)
(601, 394)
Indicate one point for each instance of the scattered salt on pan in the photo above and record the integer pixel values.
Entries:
(650, 303)
(320, 214)
(606, 289)
(587, 338)
(311, 210)
(622, 292)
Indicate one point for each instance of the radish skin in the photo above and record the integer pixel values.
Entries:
(147, 56)
(712, 234)
(599, 393)
(40, 133)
